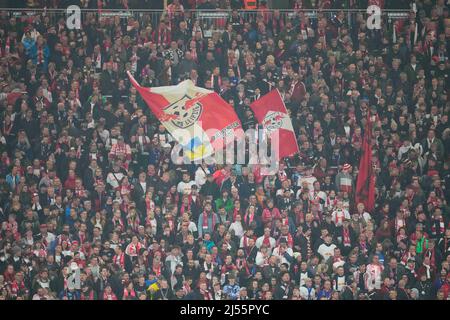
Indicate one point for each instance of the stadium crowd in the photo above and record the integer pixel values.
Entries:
(86, 175)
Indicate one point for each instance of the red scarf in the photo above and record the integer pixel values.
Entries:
(249, 62)
(317, 132)
(134, 249)
(65, 284)
(7, 127)
(406, 257)
(15, 287)
(277, 24)
(149, 203)
(191, 200)
(322, 34)
(157, 270)
(7, 46)
(249, 219)
(194, 54)
(125, 189)
(120, 260)
(163, 36)
(173, 196)
(187, 288)
(363, 246)
(339, 217)
(107, 45)
(184, 209)
(79, 191)
(148, 221)
(127, 293)
(266, 241)
(40, 55)
(82, 238)
(346, 237)
(134, 222)
(98, 61)
(111, 296)
(289, 240)
(441, 226)
(235, 213)
(124, 207)
(145, 139)
(410, 197)
(171, 224)
(308, 246)
(245, 241)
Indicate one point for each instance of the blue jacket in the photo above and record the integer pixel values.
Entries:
(12, 181)
(32, 52)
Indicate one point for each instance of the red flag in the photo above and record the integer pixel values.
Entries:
(220, 176)
(365, 183)
(204, 117)
(271, 113)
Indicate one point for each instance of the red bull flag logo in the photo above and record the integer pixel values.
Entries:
(197, 118)
(271, 113)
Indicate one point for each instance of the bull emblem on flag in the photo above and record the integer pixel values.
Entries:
(273, 120)
(184, 112)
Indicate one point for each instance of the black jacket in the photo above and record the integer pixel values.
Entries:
(283, 292)
(210, 189)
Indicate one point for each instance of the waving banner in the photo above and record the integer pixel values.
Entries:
(271, 113)
(197, 118)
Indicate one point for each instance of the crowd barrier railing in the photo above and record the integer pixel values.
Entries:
(210, 20)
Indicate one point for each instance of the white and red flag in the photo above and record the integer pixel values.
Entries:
(271, 113)
(197, 118)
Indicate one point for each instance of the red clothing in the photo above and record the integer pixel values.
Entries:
(110, 296)
(163, 36)
(120, 150)
(297, 91)
(446, 290)
(70, 183)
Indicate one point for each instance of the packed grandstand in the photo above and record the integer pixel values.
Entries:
(92, 206)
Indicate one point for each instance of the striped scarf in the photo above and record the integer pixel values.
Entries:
(163, 37)
(40, 55)
(206, 220)
(438, 230)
